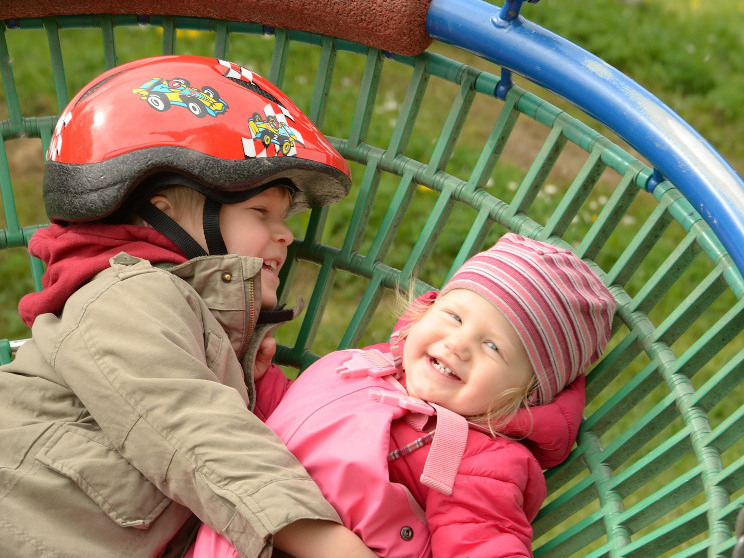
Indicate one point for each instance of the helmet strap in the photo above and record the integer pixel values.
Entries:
(211, 225)
(163, 223)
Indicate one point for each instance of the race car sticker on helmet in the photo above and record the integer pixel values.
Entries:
(161, 94)
(271, 134)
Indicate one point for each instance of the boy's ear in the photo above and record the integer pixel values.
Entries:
(163, 204)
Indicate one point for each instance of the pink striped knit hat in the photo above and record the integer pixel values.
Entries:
(559, 307)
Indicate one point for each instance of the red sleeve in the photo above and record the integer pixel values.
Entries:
(270, 389)
(496, 495)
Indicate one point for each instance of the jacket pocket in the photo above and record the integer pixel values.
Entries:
(87, 458)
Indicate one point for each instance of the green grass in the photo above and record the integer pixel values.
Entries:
(687, 52)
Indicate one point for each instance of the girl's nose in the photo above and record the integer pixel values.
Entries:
(459, 345)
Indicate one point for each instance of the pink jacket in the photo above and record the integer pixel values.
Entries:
(464, 494)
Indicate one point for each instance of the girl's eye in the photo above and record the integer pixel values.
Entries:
(455, 317)
(491, 345)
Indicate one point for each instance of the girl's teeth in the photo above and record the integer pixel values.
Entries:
(442, 368)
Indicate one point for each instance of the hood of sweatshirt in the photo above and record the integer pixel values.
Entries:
(73, 254)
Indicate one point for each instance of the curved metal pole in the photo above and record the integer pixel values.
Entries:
(670, 144)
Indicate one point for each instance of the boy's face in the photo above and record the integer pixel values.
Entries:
(255, 228)
(463, 354)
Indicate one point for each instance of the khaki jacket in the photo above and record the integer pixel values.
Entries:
(131, 408)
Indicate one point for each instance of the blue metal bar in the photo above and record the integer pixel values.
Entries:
(510, 9)
(675, 149)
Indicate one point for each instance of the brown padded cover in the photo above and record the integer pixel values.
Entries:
(397, 26)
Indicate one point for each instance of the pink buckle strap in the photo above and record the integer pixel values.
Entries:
(447, 449)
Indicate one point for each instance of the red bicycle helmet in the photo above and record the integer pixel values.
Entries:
(206, 123)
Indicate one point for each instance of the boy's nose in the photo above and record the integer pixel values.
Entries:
(283, 234)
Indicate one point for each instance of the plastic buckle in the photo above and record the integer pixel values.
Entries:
(370, 363)
(402, 400)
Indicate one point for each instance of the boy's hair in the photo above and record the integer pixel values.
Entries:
(183, 199)
(187, 200)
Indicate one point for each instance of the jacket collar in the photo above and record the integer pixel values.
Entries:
(230, 286)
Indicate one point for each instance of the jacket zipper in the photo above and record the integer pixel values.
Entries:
(250, 326)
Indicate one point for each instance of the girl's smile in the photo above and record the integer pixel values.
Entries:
(463, 354)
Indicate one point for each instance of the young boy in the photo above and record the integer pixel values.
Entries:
(127, 416)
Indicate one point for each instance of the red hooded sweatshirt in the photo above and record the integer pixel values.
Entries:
(73, 254)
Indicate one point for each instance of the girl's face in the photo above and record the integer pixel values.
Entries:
(463, 354)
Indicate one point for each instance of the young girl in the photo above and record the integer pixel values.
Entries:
(434, 444)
